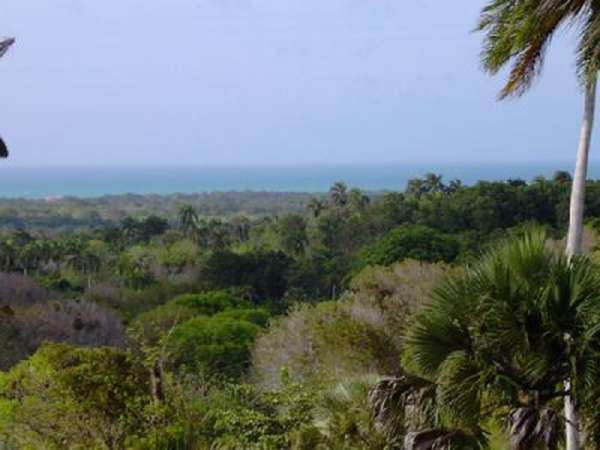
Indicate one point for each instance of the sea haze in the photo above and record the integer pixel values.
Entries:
(42, 182)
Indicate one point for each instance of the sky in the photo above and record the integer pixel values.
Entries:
(278, 82)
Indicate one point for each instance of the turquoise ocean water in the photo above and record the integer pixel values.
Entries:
(42, 182)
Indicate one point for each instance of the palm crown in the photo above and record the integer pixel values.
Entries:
(519, 31)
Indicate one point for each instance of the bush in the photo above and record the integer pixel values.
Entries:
(411, 242)
(212, 346)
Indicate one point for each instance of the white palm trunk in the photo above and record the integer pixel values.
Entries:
(575, 238)
(577, 204)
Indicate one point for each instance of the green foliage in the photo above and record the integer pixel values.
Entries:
(256, 316)
(507, 333)
(209, 303)
(218, 346)
(264, 273)
(411, 242)
(292, 233)
(149, 327)
(69, 397)
(520, 33)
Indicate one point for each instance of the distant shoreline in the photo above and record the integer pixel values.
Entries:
(97, 182)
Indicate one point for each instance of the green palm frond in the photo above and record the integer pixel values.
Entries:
(534, 429)
(403, 403)
(506, 333)
(444, 439)
(459, 389)
(518, 32)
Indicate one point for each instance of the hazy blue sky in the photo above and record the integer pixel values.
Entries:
(268, 81)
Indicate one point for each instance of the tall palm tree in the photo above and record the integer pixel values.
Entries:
(518, 32)
(503, 336)
(188, 219)
(338, 193)
(5, 44)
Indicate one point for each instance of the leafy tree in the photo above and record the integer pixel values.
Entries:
(293, 236)
(257, 316)
(209, 303)
(411, 242)
(265, 273)
(65, 396)
(218, 346)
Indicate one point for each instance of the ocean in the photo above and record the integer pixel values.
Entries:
(49, 182)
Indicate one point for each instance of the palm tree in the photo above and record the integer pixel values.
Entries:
(316, 205)
(5, 44)
(501, 338)
(416, 187)
(519, 32)
(433, 182)
(339, 194)
(188, 219)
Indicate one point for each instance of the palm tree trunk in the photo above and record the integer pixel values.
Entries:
(577, 205)
(575, 238)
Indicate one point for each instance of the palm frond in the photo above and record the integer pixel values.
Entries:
(530, 428)
(403, 403)
(519, 33)
(443, 439)
(5, 44)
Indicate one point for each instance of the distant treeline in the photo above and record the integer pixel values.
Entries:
(428, 200)
(71, 213)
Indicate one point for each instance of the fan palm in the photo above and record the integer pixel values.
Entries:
(5, 44)
(502, 338)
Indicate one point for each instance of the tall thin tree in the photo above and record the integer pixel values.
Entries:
(518, 33)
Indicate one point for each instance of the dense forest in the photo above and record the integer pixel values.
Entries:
(273, 321)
